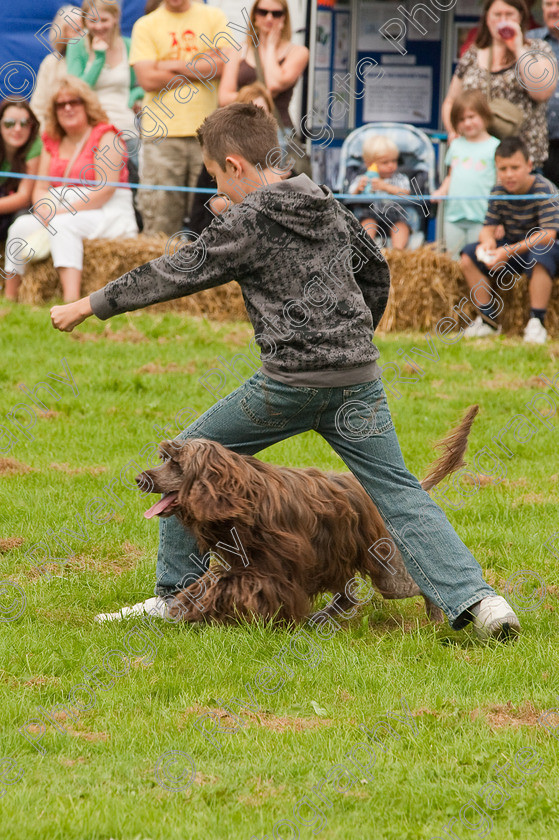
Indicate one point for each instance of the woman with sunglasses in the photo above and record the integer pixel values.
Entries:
(79, 143)
(20, 149)
(282, 62)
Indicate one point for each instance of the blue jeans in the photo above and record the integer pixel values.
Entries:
(357, 424)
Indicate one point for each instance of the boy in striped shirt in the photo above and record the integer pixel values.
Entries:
(529, 245)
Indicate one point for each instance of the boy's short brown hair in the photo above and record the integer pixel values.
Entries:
(509, 146)
(239, 128)
(476, 101)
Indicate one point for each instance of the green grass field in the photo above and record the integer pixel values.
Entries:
(108, 770)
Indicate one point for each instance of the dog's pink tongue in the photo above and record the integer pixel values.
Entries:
(161, 505)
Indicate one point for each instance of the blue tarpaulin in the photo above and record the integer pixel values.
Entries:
(21, 52)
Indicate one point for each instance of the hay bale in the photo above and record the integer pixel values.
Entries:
(425, 286)
(105, 260)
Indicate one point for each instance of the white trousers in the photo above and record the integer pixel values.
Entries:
(115, 219)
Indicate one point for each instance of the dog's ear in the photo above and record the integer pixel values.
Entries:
(170, 450)
(217, 502)
(217, 484)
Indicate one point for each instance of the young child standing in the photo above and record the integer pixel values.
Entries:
(471, 158)
(529, 245)
(380, 156)
(315, 287)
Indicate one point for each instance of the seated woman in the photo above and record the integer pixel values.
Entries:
(77, 128)
(19, 152)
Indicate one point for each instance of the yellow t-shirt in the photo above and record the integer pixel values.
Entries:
(165, 36)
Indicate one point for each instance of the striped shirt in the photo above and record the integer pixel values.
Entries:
(519, 217)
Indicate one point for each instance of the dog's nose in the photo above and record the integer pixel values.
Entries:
(144, 482)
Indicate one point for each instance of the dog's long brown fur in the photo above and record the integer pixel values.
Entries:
(304, 532)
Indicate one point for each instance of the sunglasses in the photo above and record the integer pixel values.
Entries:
(12, 123)
(265, 12)
(71, 103)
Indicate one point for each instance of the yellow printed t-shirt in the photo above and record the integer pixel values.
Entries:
(167, 36)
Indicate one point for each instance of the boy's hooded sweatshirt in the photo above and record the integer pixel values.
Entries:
(313, 282)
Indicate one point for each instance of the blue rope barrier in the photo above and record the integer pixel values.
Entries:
(358, 198)
(368, 198)
(85, 182)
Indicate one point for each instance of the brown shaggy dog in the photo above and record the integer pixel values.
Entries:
(304, 532)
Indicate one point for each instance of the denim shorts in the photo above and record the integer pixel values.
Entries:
(524, 265)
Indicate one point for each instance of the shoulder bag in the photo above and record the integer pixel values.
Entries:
(507, 118)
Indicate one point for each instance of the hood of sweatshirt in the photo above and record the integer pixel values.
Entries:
(298, 205)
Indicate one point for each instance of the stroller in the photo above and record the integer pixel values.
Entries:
(417, 160)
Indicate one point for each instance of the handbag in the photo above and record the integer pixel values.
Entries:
(301, 160)
(37, 247)
(507, 118)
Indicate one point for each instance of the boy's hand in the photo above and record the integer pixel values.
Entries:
(65, 318)
(499, 255)
(488, 242)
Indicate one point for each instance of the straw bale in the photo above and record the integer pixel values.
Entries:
(425, 286)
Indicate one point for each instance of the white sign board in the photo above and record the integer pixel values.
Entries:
(401, 94)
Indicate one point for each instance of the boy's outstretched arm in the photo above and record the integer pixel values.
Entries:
(65, 318)
(218, 256)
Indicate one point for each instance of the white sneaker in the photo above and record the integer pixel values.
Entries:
(494, 618)
(535, 332)
(156, 607)
(480, 329)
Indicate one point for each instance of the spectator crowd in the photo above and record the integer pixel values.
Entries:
(108, 109)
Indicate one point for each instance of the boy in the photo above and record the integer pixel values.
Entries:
(314, 285)
(380, 156)
(529, 245)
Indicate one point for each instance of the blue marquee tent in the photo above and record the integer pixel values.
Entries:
(20, 50)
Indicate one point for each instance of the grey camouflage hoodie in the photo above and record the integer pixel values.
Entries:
(313, 282)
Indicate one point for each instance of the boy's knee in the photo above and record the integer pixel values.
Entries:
(543, 265)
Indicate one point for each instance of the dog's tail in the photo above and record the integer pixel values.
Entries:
(453, 446)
